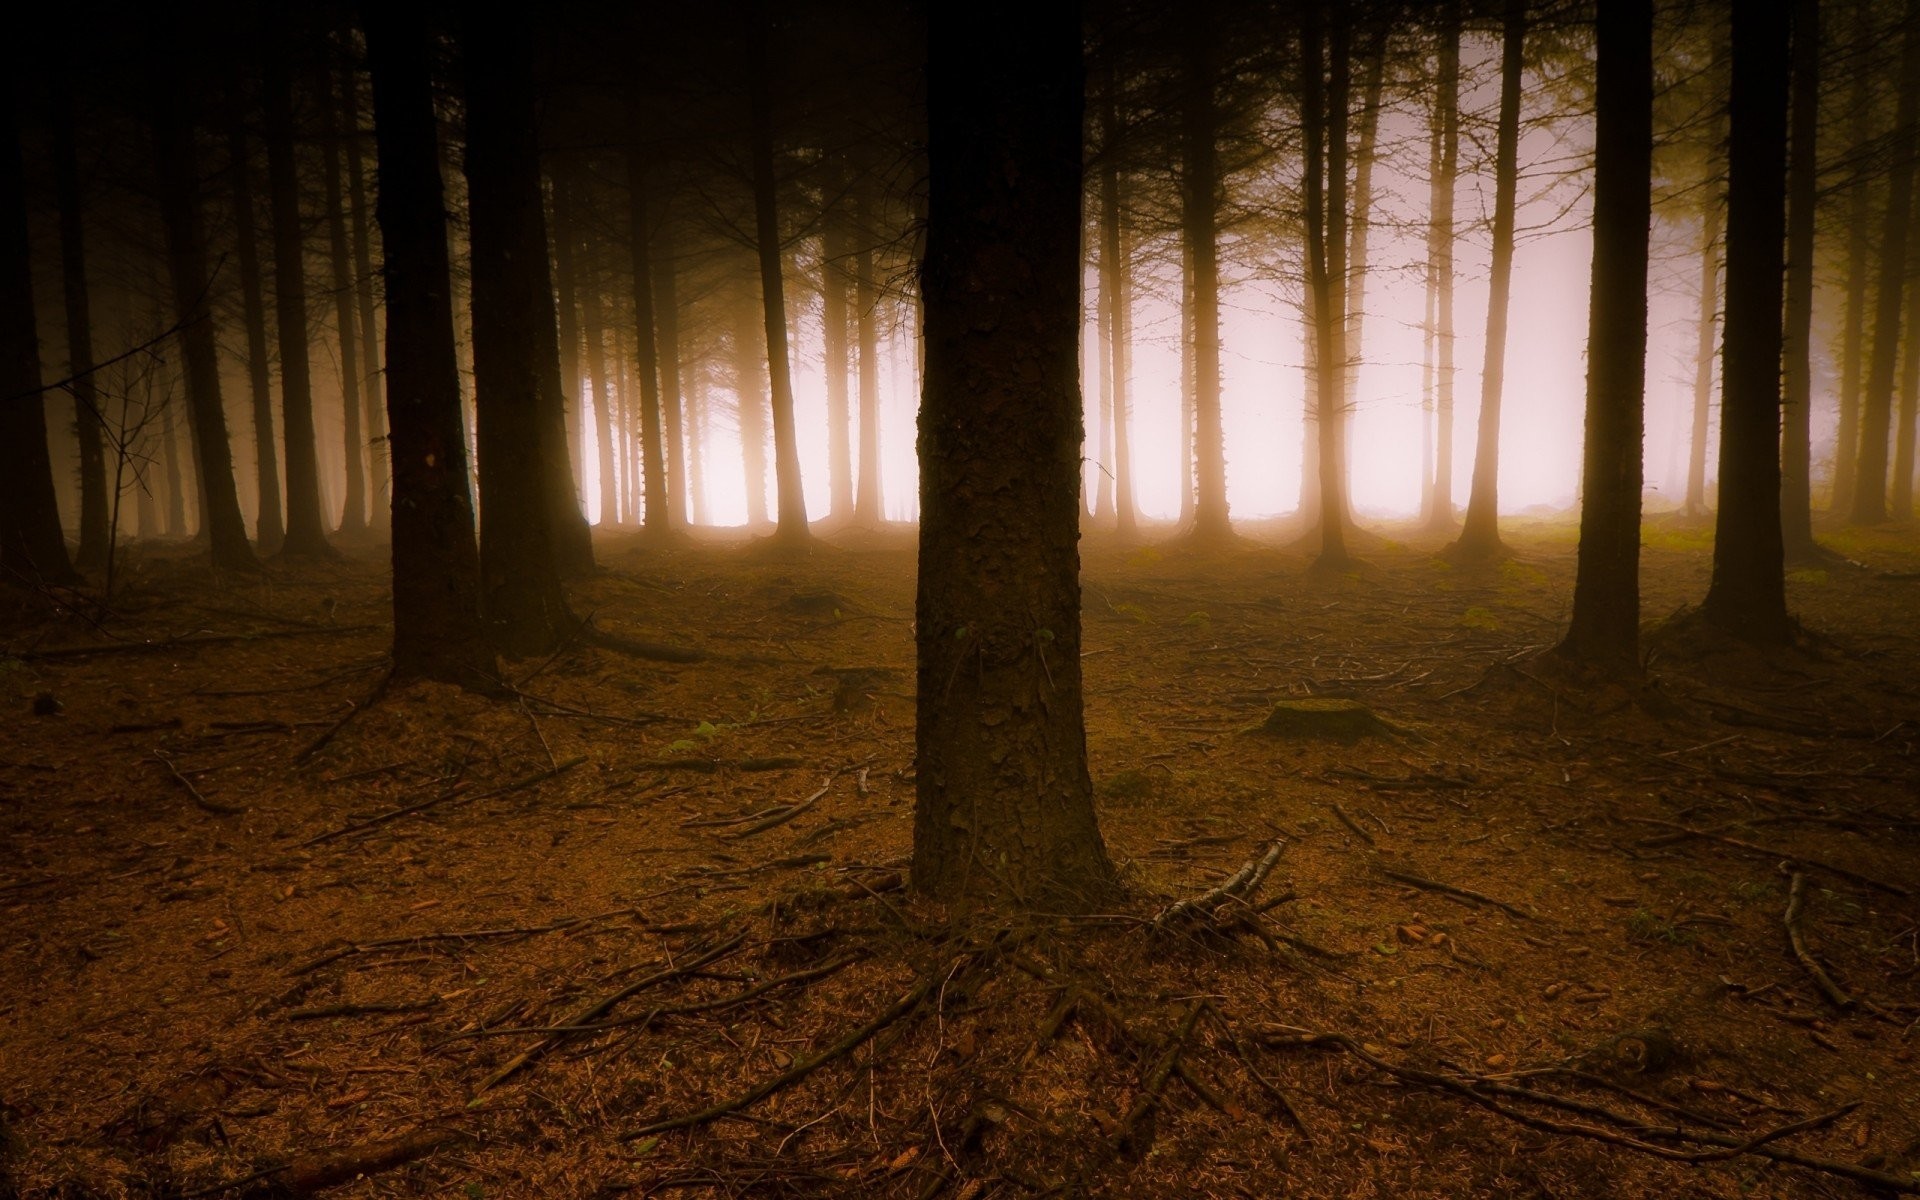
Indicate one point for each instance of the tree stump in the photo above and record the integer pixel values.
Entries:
(1325, 719)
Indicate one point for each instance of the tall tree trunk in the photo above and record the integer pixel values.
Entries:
(269, 529)
(1184, 441)
(1605, 628)
(1323, 119)
(353, 519)
(176, 516)
(1803, 170)
(1004, 808)
(32, 545)
(306, 526)
(179, 185)
(1480, 532)
(666, 324)
(88, 425)
(1748, 594)
(1900, 507)
(515, 348)
(1440, 232)
(1860, 106)
(567, 311)
(1199, 226)
(1428, 340)
(1876, 405)
(749, 373)
(656, 508)
(792, 498)
(1117, 296)
(598, 376)
(866, 299)
(833, 326)
(437, 632)
(1360, 226)
(374, 426)
(697, 405)
(1703, 358)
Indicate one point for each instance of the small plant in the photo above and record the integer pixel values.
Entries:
(1646, 928)
(1480, 618)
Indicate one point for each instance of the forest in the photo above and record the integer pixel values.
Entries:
(897, 598)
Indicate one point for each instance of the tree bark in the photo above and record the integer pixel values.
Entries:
(32, 545)
(515, 348)
(1480, 532)
(596, 374)
(89, 427)
(656, 508)
(353, 518)
(1440, 509)
(1116, 294)
(791, 497)
(1876, 404)
(834, 252)
(306, 526)
(1605, 628)
(269, 528)
(1004, 809)
(567, 311)
(437, 633)
(1846, 440)
(749, 374)
(866, 299)
(1803, 170)
(666, 324)
(1703, 357)
(179, 186)
(1199, 225)
(374, 427)
(1748, 594)
(1323, 122)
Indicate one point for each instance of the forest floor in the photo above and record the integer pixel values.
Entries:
(1530, 933)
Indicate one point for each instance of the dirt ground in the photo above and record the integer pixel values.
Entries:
(249, 949)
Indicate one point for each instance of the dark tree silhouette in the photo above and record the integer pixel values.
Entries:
(269, 529)
(179, 183)
(306, 527)
(88, 426)
(437, 632)
(1440, 509)
(1199, 226)
(1803, 176)
(1323, 122)
(1480, 530)
(866, 299)
(353, 517)
(1605, 628)
(657, 515)
(31, 543)
(515, 348)
(1748, 594)
(1005, 804)
(791, 499)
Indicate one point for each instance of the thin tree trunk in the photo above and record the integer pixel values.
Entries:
(1199, 221)
(176, 515)
(666, 324)
(792, 498)
(88, 425)
(374, 427)
(1428, 339)
(1361, 223)
(1900, 506)
(515, 349)
(1187, 405)
(32, 545)
(179, 185)
(834, 328)
(269, 529)
(306, 525)
(353, 519)
(1440, 231)
(437, 632)
(656, 507)
(1605, 628)
(1748, 594)
(867, 499)
(1480, 533)
(1803, 169)
(697, 406)
(1876, 406)
(1004, 807)
(1846, 440)
(1703, 358)
(1324, 125)
(1116, 295)
(749, 373)
(597, 375)
(565, 238)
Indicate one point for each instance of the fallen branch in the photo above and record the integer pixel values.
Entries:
(799, 1070)
(1893, 889)
(309, 1173)
(517, 785)
(200, 801)
(788, 813)
(1238, 888)
(1796, 898)
(584, 1015)
(1152, 1085)
(189, 642)
(361, 1010)
(1434, 885)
